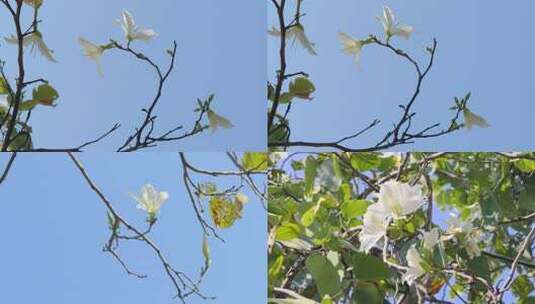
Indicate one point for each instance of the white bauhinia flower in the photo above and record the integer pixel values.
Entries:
(395, 200)
(132, 32)
(415, 268)
(471, 236)
(374, 226)
(457, 225)
(430, 238)
(34, 40)
(215, 121)
(92, 51)
(351, 46)
(391, 27)
(471, 120)
(150, 200)
(276, 156)
(400, 199)
(296, 32)
(471, 246)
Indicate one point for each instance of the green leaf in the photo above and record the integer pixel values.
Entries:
(206, 252)
(327, 300)
(365, 161)
(45, 95)
(28, 105)
(367, 293)
(224, 212)
(310, 215)
(480, 266)
(3, 86)
(279, 133)
(368, 267)
(522, 286)
(311, 168)
(112, 222)
(287, 231)
(324, 275)
(525, 165)
(21, 141)
(353, 208)
(257, 161)
(302, 88)
(275, 267)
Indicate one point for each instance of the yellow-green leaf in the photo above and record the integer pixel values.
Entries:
(224, 212)
(255, 161)
(45, 95)
(302, 87)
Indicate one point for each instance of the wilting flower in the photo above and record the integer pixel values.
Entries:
(415, 268)
(241, 199)
(391, 27)
(34, 40)
(296, 32)
(150, 200)
(430, 238)
(373, 227)
(132, 32)
(399, 199)
(471, 119)
(215, 121)
(351, 46)
(93, 51)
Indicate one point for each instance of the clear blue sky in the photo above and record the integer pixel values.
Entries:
(54, 228)
(222, 47)
(483, 48)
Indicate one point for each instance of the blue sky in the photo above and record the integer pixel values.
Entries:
(482, 49)
(55, 227)
(222, 48)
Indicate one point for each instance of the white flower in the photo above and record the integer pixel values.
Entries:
(471, 236)
(93, 51)
(374, 226)
(471, 119)
(296, 32)
(430, 238)
(34, 40)
(471, 247)
(458, 225)
(276, 156)
(399, 199)
(351, 46)
(396, 200)
(415, 269)
(391, 27)
(131, 32)
(215, 121)
(150, 200)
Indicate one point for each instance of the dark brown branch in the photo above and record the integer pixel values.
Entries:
(8, 167)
